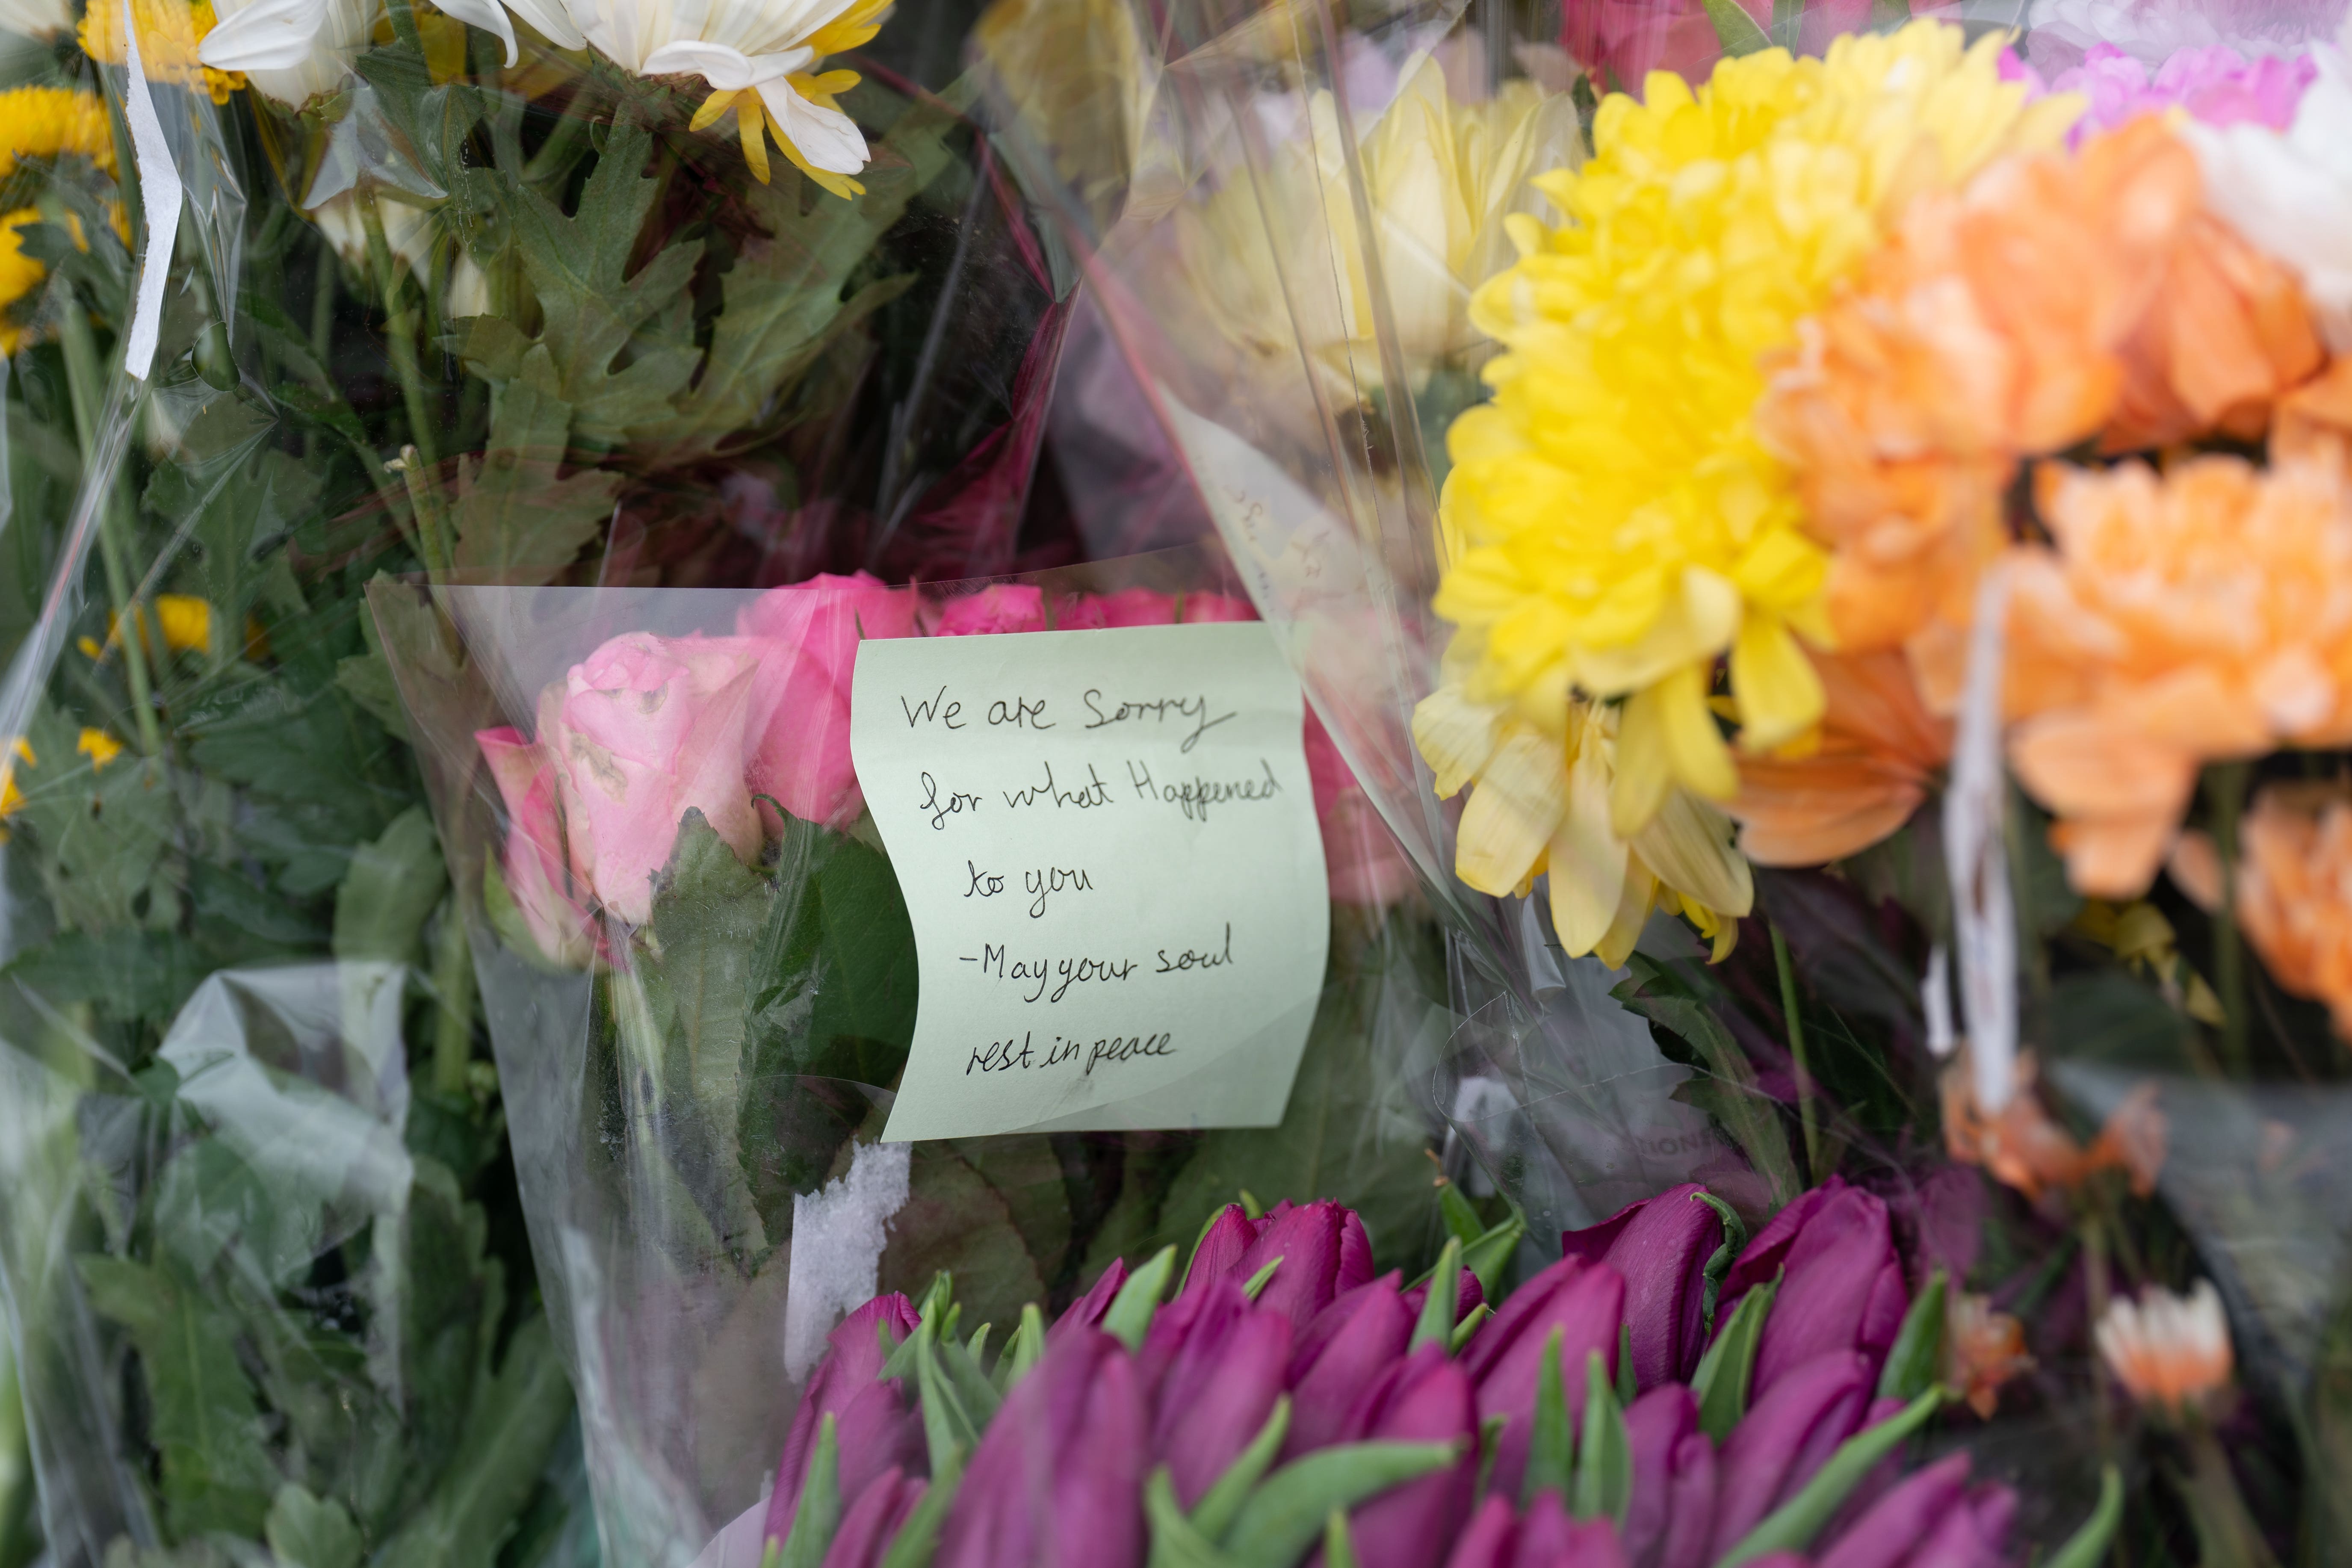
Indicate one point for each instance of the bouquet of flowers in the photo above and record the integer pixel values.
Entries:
(1670, 1392)
(1868, 650)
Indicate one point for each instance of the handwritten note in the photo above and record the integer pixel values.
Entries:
(1107, 845)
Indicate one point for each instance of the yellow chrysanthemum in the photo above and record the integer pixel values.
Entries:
(12, 799)
(1611, 523)
(51, 122)
(185, 621)
(168, 32)
(20, 275)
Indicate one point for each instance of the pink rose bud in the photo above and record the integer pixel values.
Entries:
(645, 730)
(533, 864)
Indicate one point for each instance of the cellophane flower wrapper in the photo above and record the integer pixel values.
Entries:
(696, 1088)
(443, 297)
(2040, 968)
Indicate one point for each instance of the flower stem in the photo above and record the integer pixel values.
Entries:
(2227, 786)
(2226, 1530)
(1796, 1025)
(83, 381)
(453, 983)
(399, 332)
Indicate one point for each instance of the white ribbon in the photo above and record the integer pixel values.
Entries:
(160, 193)
(1976, 857)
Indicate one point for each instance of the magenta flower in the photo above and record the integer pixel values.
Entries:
(1423, 1398)
(1545, 1538)
(1219, 1388)
(1787, 1435)
(1933, 1516)
(873, 1520)
(1058, 1476)
(1621, 42)
(1841, 1284)
(1323, 1250)
(2212, 83)
(1222, 1247)
(1668, 1517)
(999, 607)
(1348, 1345)
(1504, 1359)
(643, 731)
(1088, 1310)
(1661, 1246)
(808, 634)
(876, 1431)
(534, 862)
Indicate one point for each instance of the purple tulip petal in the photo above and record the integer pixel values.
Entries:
(1487, 1543)
(1308, 1241)
(1222, 1246)
(1843, 1289)
(1360, 1335)
(873, 1520)
(1423, 1399)
(1586, 1306)
(1661, 1246)
(1088, 1310)
(1690, 1508)
(1058, 1475)
(1886, 1534)
(875, 1433)
(1218, 1393)
(1767, 1249)
(1786, 1435)
(1655, 1427)
(1355, 1253)
(1544, 1532)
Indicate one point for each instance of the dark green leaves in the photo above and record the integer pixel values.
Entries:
(1728, 1090)
(1723, 1373)
(518, 523)
(1917, 1360)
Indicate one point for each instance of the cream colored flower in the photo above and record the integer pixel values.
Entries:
(409, 234)
(291, 50)
(1441, 177)
(1541, 802)
(2173, 1352)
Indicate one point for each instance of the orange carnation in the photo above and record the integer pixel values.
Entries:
(1990, 327)
(1874, 754)
(2294, 889)
(2183, 618)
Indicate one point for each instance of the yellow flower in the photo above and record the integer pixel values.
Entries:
(12, 799)
(50, 122)
(168, 32)
(1442, 178)
(99, 746)
(761, 70)
(1611, 522)
(185, 621)
(20, 275)
(1543, 804)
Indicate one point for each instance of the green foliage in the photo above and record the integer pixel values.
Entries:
(1728, 1368)
(1727, 1088)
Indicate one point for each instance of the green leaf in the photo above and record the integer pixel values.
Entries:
(203, 1420)
(389, 893)
(818, 1517)
(948, 1428)
(2087, 1547)
(1462, 1221)
(1719, 1261)
(1626, 1387)
(519, 523)
(1735, 29)
(513, 1422)
(1604, 1460)
(306, 1533)
(1255, 1285)
(1436, 1324)
(919, 1538)
(1338, 1546)
(1176, 1541)
(1469, 1326)
(1728, 1091)
(1132, 1310)
(1491, 1254)
(1284, 1516)
(129, 974)
(1918, 1358)
(1551, 1446)
(1214, 1513)
(1729, 1366)
(595, 308)
(1024, 1349)
(1792, 1526)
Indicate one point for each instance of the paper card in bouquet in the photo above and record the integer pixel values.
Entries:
(1106, 842)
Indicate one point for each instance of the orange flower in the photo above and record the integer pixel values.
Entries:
(1985, 1349)
(1867, 772)
(2198, 615)
(2227, 333)
(2294, 889)
(2023, 1148)
(2315, 421)
(2171, 1352)
(1990, 327)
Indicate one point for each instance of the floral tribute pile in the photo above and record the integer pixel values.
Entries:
(1671, 1394)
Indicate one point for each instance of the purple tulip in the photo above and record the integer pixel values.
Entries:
(1424, 1398)
(1058, 1476)
(1841, 1284)
(1220, 1387)
(1549, 1539)
(1785, 1438)
(1468, 1297)
(1932, 1517)
(1220, 1250)
(1661, 1246)
(1586, 1302)
(1494, 1532)
(1350, 1343)
(873, 1520)
(1323, 1250)
(1672, 1479)
(1088, 1311)
(873, 1423)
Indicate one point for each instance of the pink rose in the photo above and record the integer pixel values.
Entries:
(533, 863)
(1199, 609)
(1362, 857)
(807, 634)
(1621, 42)
(643, 731)
(999, 607)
